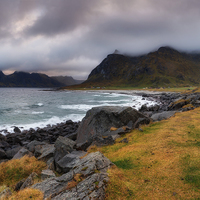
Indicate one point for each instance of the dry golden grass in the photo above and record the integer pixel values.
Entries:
(162, 162)
(15, 170)
(27, 194)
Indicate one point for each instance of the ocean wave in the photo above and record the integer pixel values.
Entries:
(43, 123)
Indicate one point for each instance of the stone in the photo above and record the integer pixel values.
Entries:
(99, 120)
(141, 121)
(50, 163)
(22, 152)
(17, 130)
(19, 184)
(11, 152)
(40, 149)
(125, 140)
(63, 146)
(5, 194)
(66, 163)
(47, 174)
(163, 115)
(91, 183)
(47, 153)
(2, 154)
(31, 146)
(29, 181)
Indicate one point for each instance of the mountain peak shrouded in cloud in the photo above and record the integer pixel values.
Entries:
(66, 37)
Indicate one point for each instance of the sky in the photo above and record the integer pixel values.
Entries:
(71, 37)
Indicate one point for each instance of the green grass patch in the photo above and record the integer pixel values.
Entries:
(191, 170)
(125, 163)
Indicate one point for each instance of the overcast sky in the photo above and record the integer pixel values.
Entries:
(71, 37)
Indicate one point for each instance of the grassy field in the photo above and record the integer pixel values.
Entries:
(162, 162)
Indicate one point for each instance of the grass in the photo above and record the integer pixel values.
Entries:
(15, 170)
(162, 162)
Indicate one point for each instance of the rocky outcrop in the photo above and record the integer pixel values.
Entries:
(87, 179)
(99, 120)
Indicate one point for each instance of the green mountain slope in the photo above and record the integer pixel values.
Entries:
(162, 68)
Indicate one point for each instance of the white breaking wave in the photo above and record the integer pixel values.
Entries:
(40, 104)
(52, 121)
(37, 113)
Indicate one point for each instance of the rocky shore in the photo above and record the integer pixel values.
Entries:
(64, 146)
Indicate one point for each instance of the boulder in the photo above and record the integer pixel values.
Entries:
(29, 181)
(141, 121)
(40, 149)
(99, 120)
(5, 194)
(47, 174)
(11, 152)
(31, 146)
(87, 180)
(66, 163)
(2, 154)
(22, 152)
(163, 115)
(47, 153)
(63, 146)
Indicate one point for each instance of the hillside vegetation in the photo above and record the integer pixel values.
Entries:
(165, 67)
(160, 162)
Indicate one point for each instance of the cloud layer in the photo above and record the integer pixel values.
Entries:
(66, 37)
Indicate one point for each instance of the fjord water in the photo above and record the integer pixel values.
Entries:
(32, 107)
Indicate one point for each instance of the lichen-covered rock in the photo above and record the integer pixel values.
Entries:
(47, 174)
(5, 194)
(29, 181)
(91, 183)
(66, 163)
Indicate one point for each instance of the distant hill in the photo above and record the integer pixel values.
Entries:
(67, 80)
(162, 68)
(24, 79)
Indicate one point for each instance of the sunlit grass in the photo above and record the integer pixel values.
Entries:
(162, 162)
(15, 170)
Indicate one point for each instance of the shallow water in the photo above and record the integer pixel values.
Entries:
(32, 107)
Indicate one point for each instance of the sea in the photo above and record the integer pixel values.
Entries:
(36, 108)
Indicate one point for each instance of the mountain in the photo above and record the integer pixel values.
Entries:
(67, 80)
(24, 79)
(161, 68)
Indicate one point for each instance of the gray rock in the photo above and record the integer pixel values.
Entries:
(63, 146)
(163, 115)
(40, 149)
(31, 146)
(99, 120)
(47, 152)
(2, 154)
(19, 184)
(141, 121)
(11, 152)
(22, 152)
(29, 181)
(5, 194)
(66, 163)
(92, 170)
(50, 163)
(47, 174)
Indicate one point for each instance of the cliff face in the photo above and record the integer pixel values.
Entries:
(164, 67)
(23, 79)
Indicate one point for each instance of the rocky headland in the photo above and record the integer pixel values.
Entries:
(64, 146)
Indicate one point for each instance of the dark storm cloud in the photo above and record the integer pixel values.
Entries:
(71, 37)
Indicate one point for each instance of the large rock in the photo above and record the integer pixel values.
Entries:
(2, 154)
(163, 115)
(22, 152)
(99, 120)
(91, 182)
(63, 146)
(66, 163)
